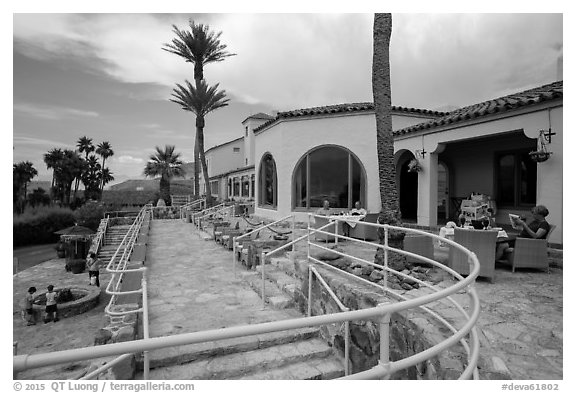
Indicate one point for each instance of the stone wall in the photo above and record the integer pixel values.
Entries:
(411, 332)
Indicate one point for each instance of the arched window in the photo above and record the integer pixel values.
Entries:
(268, 182)
(329, 173)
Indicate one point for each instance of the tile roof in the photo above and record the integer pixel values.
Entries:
(343, 108)
(525, 98)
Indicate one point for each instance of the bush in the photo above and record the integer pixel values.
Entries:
(37, 225)
(90, 214)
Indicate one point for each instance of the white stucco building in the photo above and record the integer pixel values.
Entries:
(295, 160)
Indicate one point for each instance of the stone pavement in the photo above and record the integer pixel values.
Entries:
(192, 288)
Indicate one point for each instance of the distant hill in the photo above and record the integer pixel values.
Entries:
(177, 186)
(34, 184)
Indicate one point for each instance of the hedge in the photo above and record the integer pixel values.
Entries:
(37, 226)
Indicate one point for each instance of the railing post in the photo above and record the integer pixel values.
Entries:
(293, 232)
(347, 348)
(384, 323)
(262, 263)
(309, 291)
(234, 255)
(385, 275)
(335, 232)
(145, 320)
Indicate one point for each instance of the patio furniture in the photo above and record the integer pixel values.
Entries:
(419, 244)
(482, 243)
(227, 237)
(366, 232)
(532, 253)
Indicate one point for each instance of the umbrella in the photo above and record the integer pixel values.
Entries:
(76, 230)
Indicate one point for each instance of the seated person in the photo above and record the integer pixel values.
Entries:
(537, 229)
(358, 210)
(325, 209)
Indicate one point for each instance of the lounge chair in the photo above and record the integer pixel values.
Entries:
(319, 222)
(532, 253)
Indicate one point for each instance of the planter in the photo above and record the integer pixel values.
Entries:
(539, 156)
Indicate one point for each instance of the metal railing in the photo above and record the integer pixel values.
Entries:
(118, 266)
(98, 240)
(219, 211)
(382, 312)
(190, 205)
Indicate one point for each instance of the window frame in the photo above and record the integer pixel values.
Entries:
(351, 157)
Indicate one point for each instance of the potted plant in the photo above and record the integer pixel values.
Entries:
(414, 166)
(76, 266)
(541, 154)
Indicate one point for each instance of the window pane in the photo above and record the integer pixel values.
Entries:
(329, 177)
(506, 180)
(300, 185)
(267, 182)
(528, 173)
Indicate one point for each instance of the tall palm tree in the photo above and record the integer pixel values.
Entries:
(166, 164)
(91, 178)
(199, 46)
(85, 145)
(201, 101)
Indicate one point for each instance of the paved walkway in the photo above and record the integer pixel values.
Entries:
(192, 286)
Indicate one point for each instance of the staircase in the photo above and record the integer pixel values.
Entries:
(293, 354)
(112, 240)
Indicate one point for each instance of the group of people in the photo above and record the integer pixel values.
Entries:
(51, 311)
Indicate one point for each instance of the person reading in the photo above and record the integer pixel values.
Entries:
(537, 228)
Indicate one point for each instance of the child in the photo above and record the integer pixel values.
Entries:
(93, 269)
(51, 308)
(28, 309)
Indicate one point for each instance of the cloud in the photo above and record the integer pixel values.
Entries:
(129, 160)
(25, 140)
(51, 112)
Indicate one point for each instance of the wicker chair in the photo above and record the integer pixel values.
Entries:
(366, 232)
(532, 253)
(320, 222)
(420, 245)
(482, 243)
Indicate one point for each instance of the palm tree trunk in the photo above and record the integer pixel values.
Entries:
(390, 213)
(102, 181)
(200, 139)
(382, 107)
(196, 168)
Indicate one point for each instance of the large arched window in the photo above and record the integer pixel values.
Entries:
(331, 173)
(268, 182)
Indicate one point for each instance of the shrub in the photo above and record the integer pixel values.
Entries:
(37, 225)
(90, 214)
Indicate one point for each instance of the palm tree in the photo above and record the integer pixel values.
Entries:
(22, 174)
(52, 160)
(91, 178)
(166, 164)
(104, 149)
(199, 46)
(390, 213)
(85, 145)
(201, 101)
(106, 176)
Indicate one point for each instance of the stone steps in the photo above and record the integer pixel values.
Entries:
(273, 295)
(283, 361)
(195, 352)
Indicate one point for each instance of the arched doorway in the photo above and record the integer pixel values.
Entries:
(408, 188)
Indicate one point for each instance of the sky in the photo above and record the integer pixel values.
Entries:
(106, 76)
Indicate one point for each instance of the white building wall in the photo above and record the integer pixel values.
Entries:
(289, 140)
